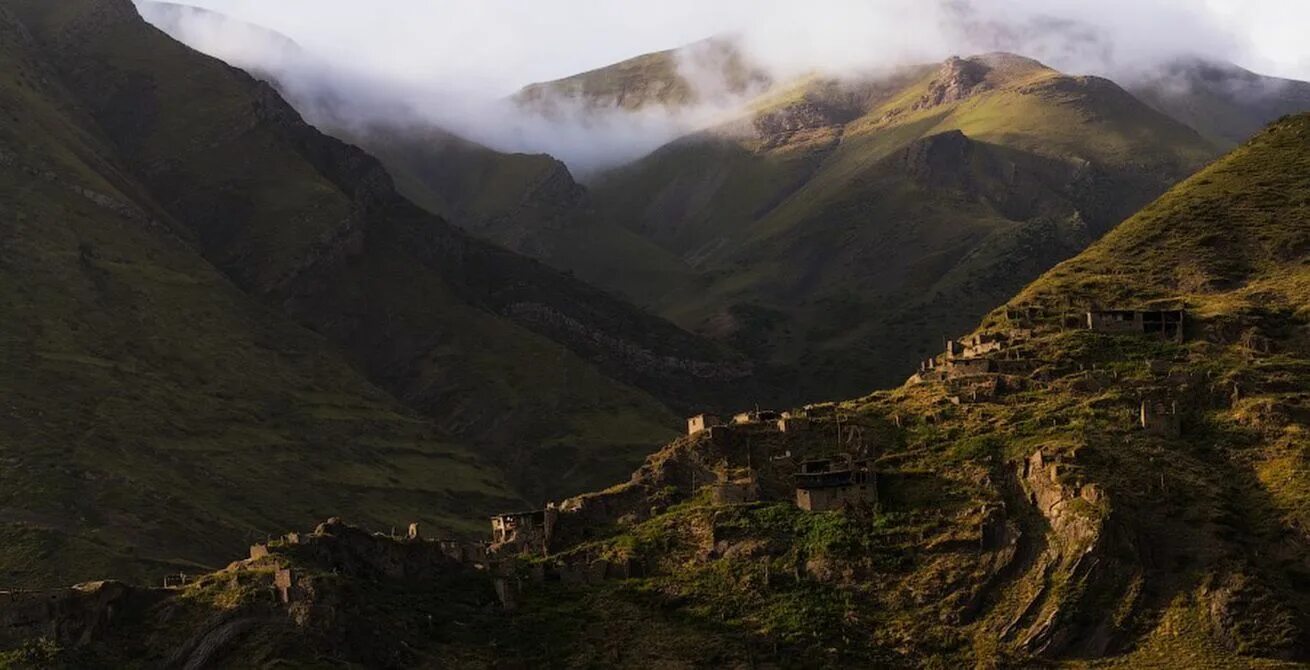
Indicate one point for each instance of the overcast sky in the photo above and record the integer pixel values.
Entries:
(452, 62)
(496, 46)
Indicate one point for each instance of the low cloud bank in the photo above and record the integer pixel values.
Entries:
(456, 64)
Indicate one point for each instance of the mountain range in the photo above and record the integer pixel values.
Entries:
(314, 264)
(823, 228)
(1048, 521)
(236, 300)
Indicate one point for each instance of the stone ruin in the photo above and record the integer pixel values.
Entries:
(1165, 324)
(832, 483)
(977, 392)
(755, 417)
(1160, 418)
(524, 532)
(736, 491)
(701, 422)
(793, 424)
(283, 582)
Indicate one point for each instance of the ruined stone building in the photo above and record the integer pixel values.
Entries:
(757, 416)
(702, 422)
(793, 424)
(523, 532)
(736, 492)
(831, 483)
(980, 345)
(970, 366)
(1165, 324)
(1160, 418)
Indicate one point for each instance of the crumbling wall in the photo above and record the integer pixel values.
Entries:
(356, 552)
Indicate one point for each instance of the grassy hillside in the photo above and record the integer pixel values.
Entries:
(1039, 525)
(1036, 525)
(154, 417)
(689, 75)
(844, 226)
(500, 350)
(530, 204)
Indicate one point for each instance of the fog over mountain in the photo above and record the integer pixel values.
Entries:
(455, 64)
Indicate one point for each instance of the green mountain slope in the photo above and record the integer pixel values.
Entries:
(1038, 521)
(533, 365)
(844, 225)
(154, 417)
(530, 204)
(701, 72)
(1024, 516)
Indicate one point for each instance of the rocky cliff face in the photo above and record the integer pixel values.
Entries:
(956, 80)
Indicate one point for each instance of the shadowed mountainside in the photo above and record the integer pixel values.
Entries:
(1027, 514)
(496, 347)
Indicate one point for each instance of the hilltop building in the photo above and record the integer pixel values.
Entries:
(524, 531)
(831, 483)
(702, 422)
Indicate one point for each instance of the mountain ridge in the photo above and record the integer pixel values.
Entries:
(1031, 507)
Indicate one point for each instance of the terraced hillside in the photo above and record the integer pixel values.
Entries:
(539, 369)
(1025, 512)
(1028, 513)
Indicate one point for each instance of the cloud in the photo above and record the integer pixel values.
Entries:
(453, 62)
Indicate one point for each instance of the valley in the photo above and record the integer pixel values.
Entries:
(957, 363)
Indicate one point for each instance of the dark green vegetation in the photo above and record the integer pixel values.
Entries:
(844, 226)
(1040, 526)
(218, 322)
(153, 415)
(840, 227)
(528, 203)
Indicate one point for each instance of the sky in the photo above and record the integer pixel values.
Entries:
(456, 57)
(500, 45)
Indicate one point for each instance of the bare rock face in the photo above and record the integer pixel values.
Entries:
(1083, 562)
(956, 80)
(804, 115)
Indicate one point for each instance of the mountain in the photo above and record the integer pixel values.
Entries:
(530, 204)
(1048, 493)
(1226, 103)
(220, 317)
(154, 416)
(706, 72)
(844, 226)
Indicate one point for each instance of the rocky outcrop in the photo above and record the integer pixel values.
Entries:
(1073, 592)
(956, 80)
